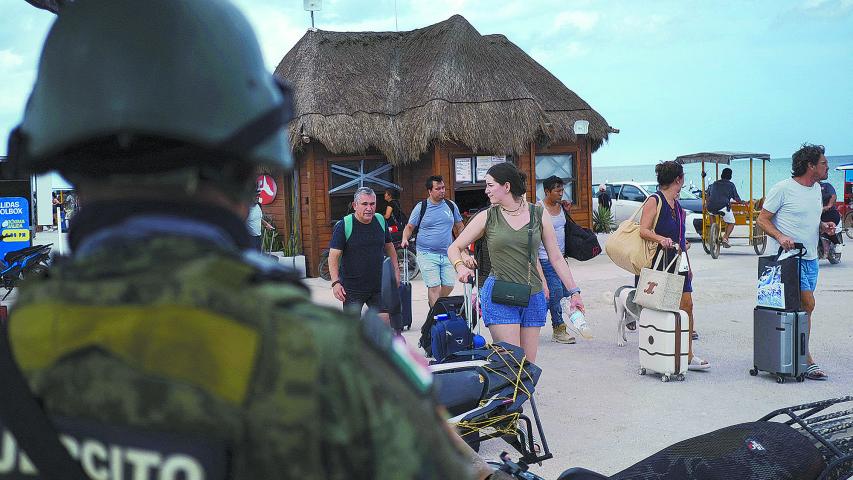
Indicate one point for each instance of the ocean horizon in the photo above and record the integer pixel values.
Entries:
(778, 169)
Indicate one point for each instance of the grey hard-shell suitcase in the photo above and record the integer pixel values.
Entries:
(780, 343)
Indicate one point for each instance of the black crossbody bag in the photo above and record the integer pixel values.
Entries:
(511, 293)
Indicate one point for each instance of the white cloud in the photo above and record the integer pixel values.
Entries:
(10, 59)
(582, 21)
(827, 8)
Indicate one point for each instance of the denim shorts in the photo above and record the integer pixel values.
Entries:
(436, 269)
(808, 275)
(533, 315)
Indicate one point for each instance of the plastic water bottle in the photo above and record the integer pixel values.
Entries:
(577, 317)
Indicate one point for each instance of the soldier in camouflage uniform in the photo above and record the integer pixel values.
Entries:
(163, 319)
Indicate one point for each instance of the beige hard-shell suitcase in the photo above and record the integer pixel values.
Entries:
(664, 339)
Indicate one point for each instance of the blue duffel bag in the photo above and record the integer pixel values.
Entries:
(450, 334)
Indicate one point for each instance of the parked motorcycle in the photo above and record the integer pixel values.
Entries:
(813, 441)
(486, 391)
(23, 263)
(830, 247)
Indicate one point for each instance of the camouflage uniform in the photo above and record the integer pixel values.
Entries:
(183, 332)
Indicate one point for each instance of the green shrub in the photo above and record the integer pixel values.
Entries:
(602, 220)
(271, 239)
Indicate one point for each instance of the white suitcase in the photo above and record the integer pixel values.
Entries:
(664, 341)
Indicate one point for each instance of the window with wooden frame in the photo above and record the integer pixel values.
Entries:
(562, 165)
(346, 176)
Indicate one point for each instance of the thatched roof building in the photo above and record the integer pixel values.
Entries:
(390, 109)
(397, 92)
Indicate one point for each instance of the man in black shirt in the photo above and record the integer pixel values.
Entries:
(359, 244)
(721, 193)
(830, 212)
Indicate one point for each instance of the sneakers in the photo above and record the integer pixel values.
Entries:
(577, 321)
(561, 335)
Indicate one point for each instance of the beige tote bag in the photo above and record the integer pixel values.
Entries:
(627, 249)
(658, 289)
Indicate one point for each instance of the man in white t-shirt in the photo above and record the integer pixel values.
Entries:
(558, 295)
(255, 222)
(791, 214)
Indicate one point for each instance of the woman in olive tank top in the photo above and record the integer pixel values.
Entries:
(505, 225)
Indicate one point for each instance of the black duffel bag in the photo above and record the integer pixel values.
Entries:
(581, 243)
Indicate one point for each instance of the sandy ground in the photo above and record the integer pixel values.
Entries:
(600, 414)
(597, 411)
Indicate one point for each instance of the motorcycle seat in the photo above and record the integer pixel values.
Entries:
(460, 390)
(12, 256)
(578, 473)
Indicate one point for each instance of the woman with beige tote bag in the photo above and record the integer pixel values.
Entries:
(668, 233)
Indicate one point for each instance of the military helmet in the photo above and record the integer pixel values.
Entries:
(122, 73)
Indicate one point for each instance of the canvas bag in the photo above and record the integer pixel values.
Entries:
(660, 289)
(626, 248)
(779, 280)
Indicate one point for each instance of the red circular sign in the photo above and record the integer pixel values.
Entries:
(267, 189)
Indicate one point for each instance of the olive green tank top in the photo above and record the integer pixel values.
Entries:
(508, 248)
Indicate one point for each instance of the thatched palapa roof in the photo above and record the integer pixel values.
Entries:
(399, 91)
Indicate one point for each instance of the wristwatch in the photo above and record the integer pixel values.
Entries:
(573, 291)
(336, 282)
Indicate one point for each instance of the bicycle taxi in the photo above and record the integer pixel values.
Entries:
(746, 213)
(845, 207)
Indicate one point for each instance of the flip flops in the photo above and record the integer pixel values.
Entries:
(814, 372)
(698, 364)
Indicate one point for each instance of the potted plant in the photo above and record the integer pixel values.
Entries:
(602, 220)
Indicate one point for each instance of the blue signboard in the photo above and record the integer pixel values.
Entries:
(14, 224)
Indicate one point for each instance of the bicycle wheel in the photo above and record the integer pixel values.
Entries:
(413, 263)
(714, 240)
(759, 240)
(848, 224)
(706, 241)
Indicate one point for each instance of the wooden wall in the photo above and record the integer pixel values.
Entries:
(279, 210)
(312, 164)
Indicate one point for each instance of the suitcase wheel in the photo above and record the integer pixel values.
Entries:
(780, 379)
(641, 371)
(680, 377)
(664, 378)
(753, 371)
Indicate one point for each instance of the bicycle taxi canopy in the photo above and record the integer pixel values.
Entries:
(745, 215)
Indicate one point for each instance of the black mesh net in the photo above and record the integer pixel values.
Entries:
(748, 451)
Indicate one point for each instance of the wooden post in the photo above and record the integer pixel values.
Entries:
(311, 175)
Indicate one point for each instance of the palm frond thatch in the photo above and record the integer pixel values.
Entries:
(400, 91)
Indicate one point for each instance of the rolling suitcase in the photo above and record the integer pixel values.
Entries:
(405, 294)
(664, 342)
(780, 343)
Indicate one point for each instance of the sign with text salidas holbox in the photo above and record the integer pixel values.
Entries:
(14, 224)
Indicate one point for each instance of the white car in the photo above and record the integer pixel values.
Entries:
(627, 197)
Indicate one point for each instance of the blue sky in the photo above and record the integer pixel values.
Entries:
(674, 76)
